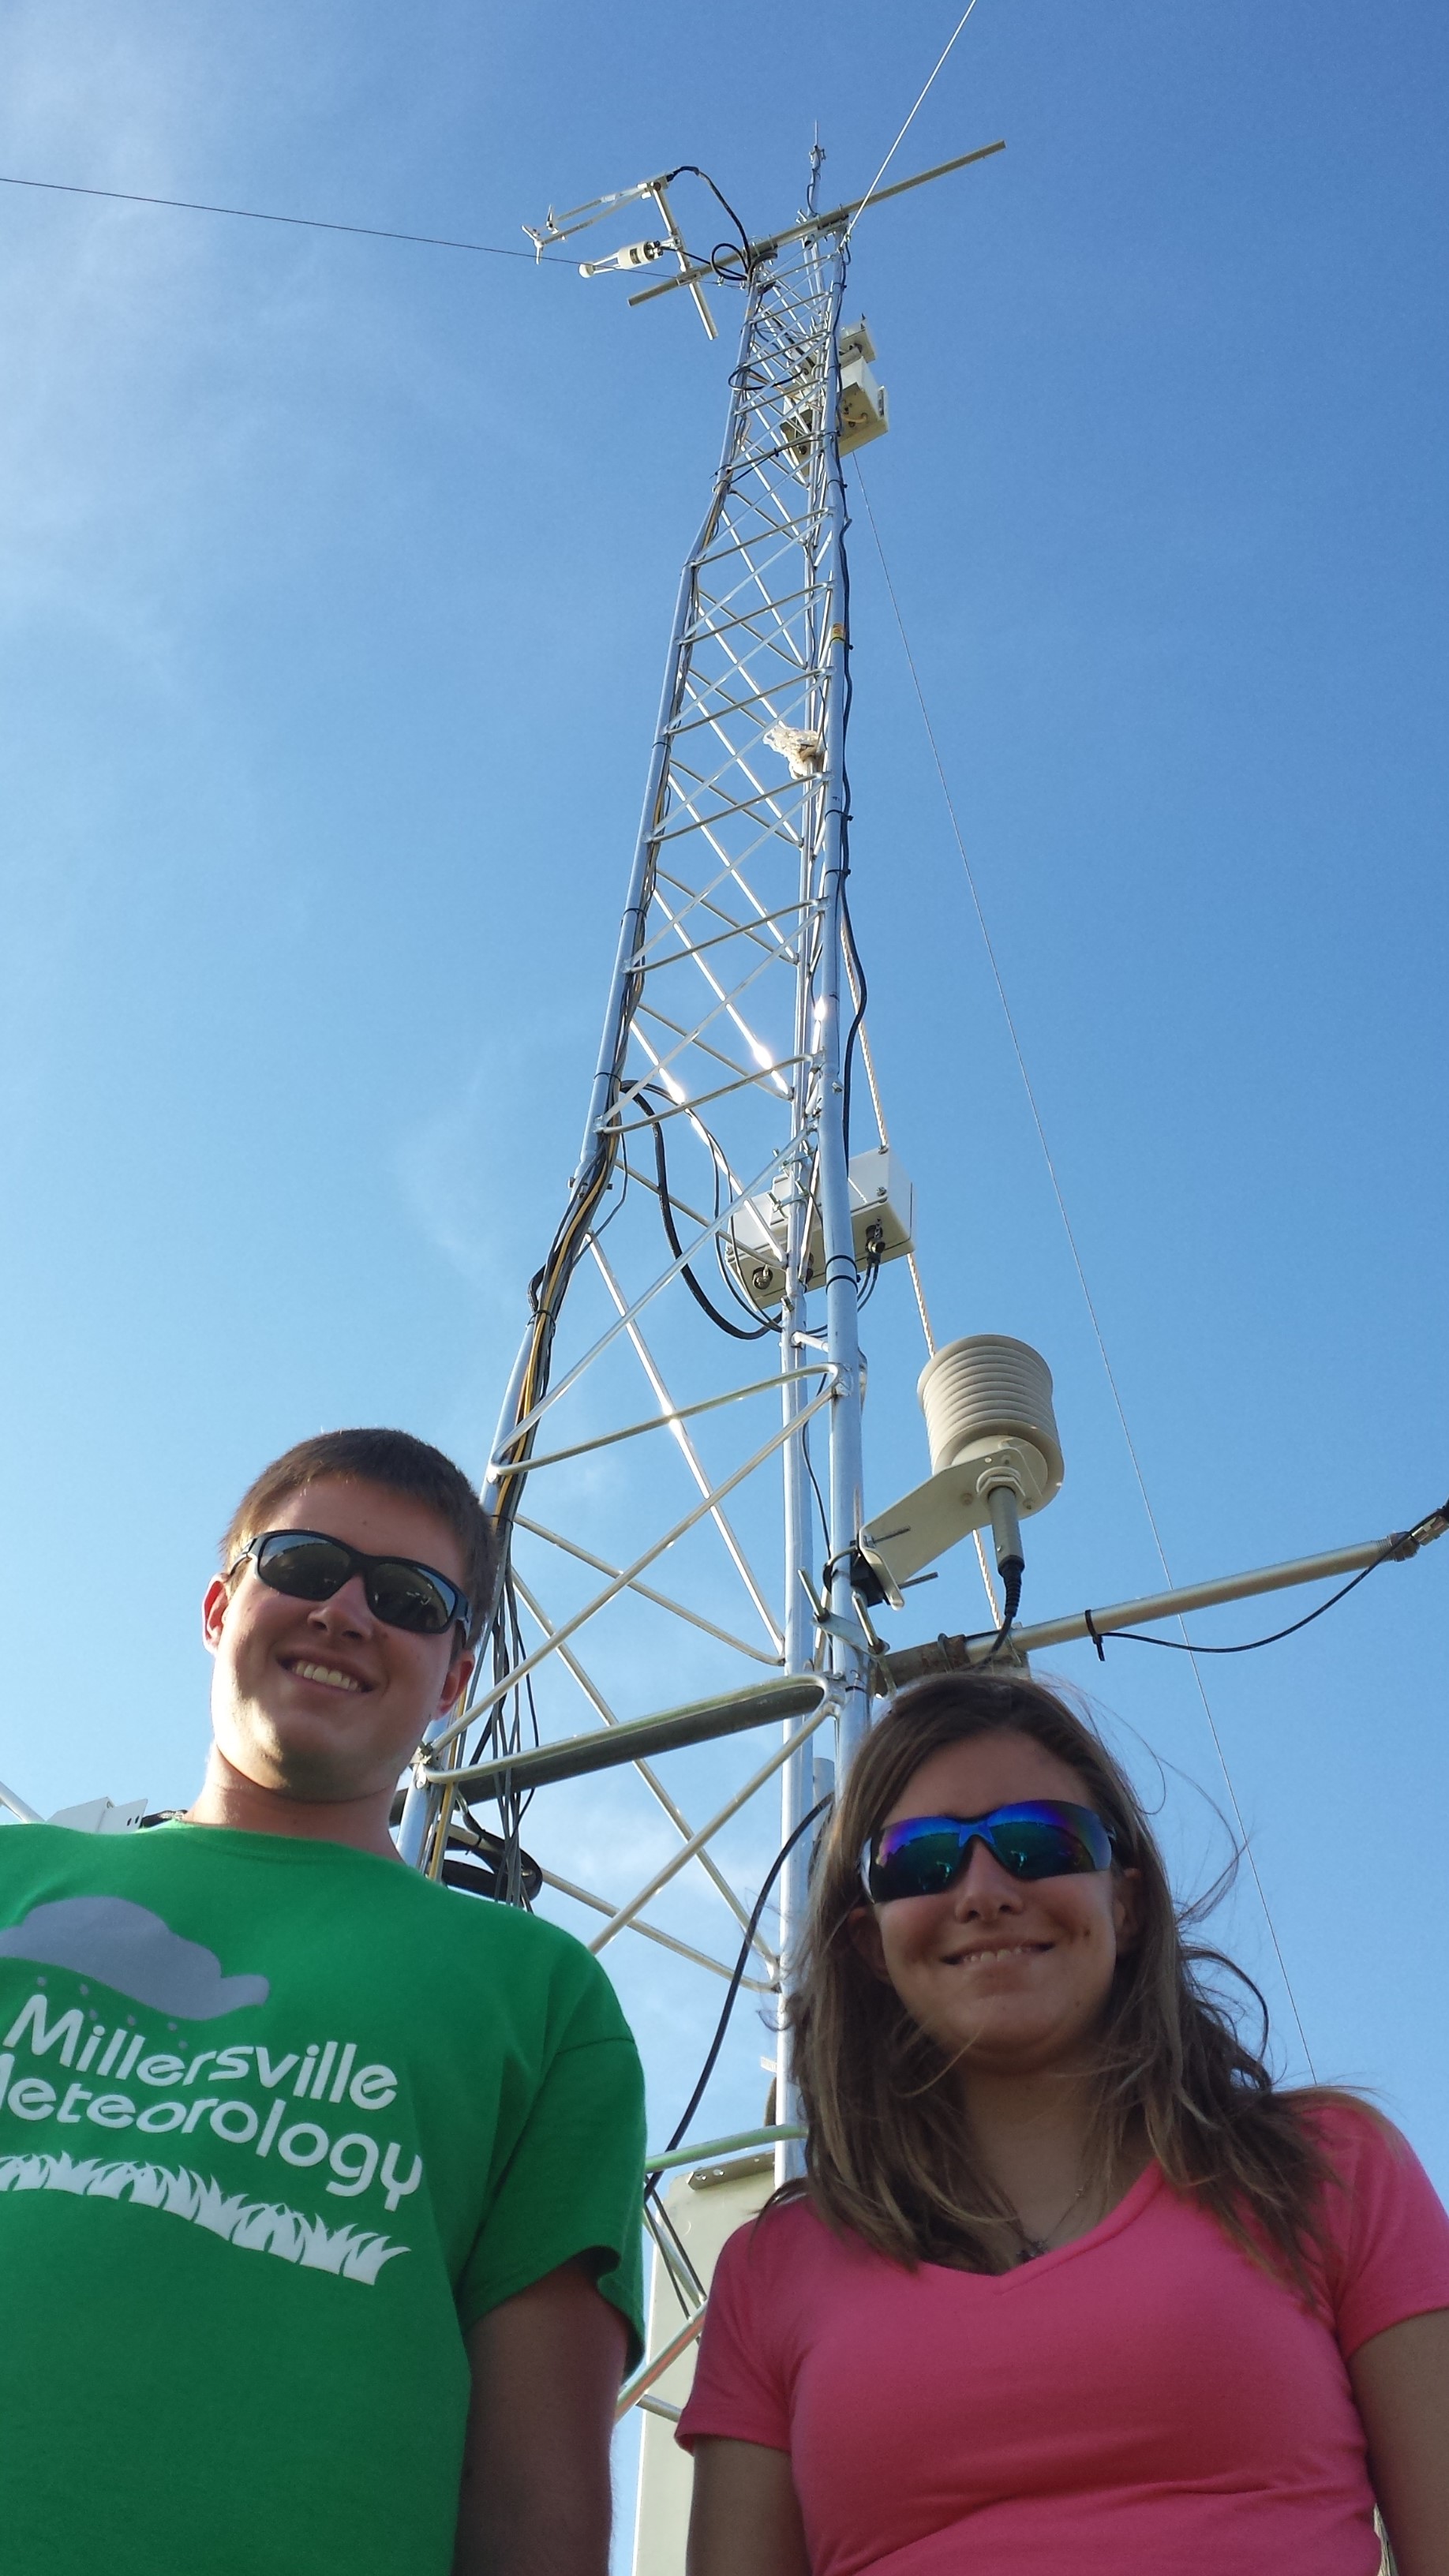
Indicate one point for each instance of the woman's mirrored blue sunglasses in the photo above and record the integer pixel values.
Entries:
(1041, 1838)
(309, 1566)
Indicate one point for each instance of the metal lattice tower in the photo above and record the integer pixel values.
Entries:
(676, 1476)
(719, 1093)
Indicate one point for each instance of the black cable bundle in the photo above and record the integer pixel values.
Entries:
(737, 1332)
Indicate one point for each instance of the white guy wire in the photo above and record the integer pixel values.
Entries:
(910, 121)
(1026, 1083)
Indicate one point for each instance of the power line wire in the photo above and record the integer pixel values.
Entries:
(255, 215)
(1121, 1411)
(910, 121)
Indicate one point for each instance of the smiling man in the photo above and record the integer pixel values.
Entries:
(319, 2183)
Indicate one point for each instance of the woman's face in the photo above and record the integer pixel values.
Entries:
(1011, 1974)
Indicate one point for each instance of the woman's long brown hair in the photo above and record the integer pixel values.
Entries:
(890, 2155)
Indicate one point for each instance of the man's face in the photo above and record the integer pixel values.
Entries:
(321, 1700)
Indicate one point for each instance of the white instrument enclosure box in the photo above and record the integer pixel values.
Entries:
(882, 1225)
(864, 412)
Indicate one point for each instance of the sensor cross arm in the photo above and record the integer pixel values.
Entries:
(831, 222)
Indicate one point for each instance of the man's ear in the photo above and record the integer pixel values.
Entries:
(455, 1681)
(864, 1931)
(215, 1602)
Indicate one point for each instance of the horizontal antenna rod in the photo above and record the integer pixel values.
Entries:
(825, 223)
(953, 1654)
(796, 1695)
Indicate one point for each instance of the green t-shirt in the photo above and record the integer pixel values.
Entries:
(278, 2122)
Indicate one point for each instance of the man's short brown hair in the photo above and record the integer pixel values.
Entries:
(401, 1465)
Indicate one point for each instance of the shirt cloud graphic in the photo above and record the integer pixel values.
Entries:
(129, 1948)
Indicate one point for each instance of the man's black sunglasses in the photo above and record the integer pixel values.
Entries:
(309, 1566)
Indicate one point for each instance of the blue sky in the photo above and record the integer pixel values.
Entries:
(338, 577)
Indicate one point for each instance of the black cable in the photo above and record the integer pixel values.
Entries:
(1402, 1544)
(716, 2044)
(785, 339)
(607, 1219)
(848, 696)
(815, 1481)
(501, 1735)
(693, 170)
(848, 1066)
(873, 1259)
(254, 215)
(1250, 1645)
(728, 1278)
(1011, 1574)
(861, 988)
(737, 1332)
(730, 263)
(730, 1287)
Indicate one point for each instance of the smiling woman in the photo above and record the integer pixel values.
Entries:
(1069, 2281)
(1107, 2009)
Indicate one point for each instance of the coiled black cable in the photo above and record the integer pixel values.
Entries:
(737, 1332)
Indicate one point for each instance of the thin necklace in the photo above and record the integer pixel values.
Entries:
(1032, 2246)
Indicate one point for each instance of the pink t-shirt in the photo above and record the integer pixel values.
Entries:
(1146, 2398)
